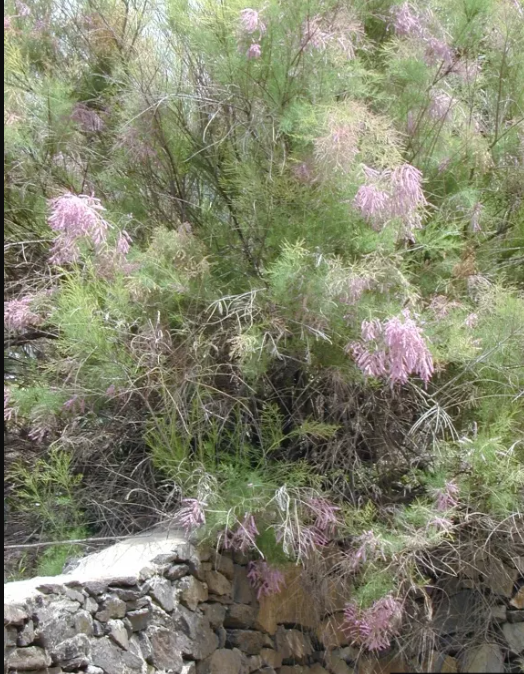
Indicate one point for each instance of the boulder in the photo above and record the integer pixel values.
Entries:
(242, 593)
(191, 592)
(90, 605)
(28, 659)
(215, 613)
(72, 650)
(166, 649)
(10, 637)
(293, 645)
(240, 616)
(118, 633)
(484, 658)
(514, 635)
(113, 660)
(95, 587)
(112, 607)
(217, 583)
(453, 614)
(162, 592)
(498, 577)
(27, 634)
(221, 662)
(224, 564)
(15, 615)
(83, 622)
(177, 571)
(197, 639)
(56, 622)
(140, 619)
(248, 641)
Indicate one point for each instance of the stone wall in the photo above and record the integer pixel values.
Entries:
(192, 612)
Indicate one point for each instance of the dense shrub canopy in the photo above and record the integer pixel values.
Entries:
(264, 274)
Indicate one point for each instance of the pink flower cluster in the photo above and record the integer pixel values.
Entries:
(391, 194)
(407, 21)
(251, 23)
(244, 536)
(393, 349)
(374, 627)
(368, 545)
(18, 314)
(75, 218)
(325, 514)
(76, 404)
(192, 514)
(447, 497)
(265, 579)
(8, 411)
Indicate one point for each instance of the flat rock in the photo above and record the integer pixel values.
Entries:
(112, 607)
(191, 592)
(243, 592)
(114, 660)
(221, 662)
(240, 616)
(28, 659)
(271, 658)
(336, 665)
(162, 592)
(188, 668)
(177, 571)
(118, 633)
(27, 635)
(224, 564)
(166, 649)
(331, 632)
(140, 619)
(514, 635)
(56, 622)
(197, 639)
(247, 641)
(291, 606)
(215, 613)
(484, 658)
(293, 645)
(217, 583)
(71, 650)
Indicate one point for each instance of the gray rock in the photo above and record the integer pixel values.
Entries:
(197, 639)
(485, 658)
(128, 593)
(56, 622)
(224, 564)
(251, 663)
(28, 659)
(118, 633)
(95, 587)
(514, 635)
(191, 592)
(188, 668)
(75, 595)
(162, 592)
(248, 641)
(84, 623)
(516, 616)
(10, 637)
(140, 619)
(293, 644)
(221, 662)
(242, 593)
(72, 653)
(221, 633)
(98, 629)
(94, 670)
(27, 635)
(123, 581)
(14, 614)
(177, 571)
(145, 646)
(112, 607)
(183, 552)
(454, 613)
(51, 588)
(113, 660)
(166, 649)
(241, 616)
(90, 605)
(271, 658)
(498, 577)
(336, 665)
(217, 583)
(215, 613)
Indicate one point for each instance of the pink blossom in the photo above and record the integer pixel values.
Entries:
(440, 106)
(325, 513)
(22, 9)
(251, 22)
(89, 120)
(312, 34)
(75, 404)
(407, 21)
(309, 540)
(254, 51)
(399, 350)
(448, 497)
(475, 218)
(356, 287)
(123, 244)
(192, 514)
(373, 204)
(8, 411)
(244, 536)
(471, 320)
(19, 316)
(374, 627)
(368, 543)
(75, 217)
(111, 391)
(438, 51)
(265, 579)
